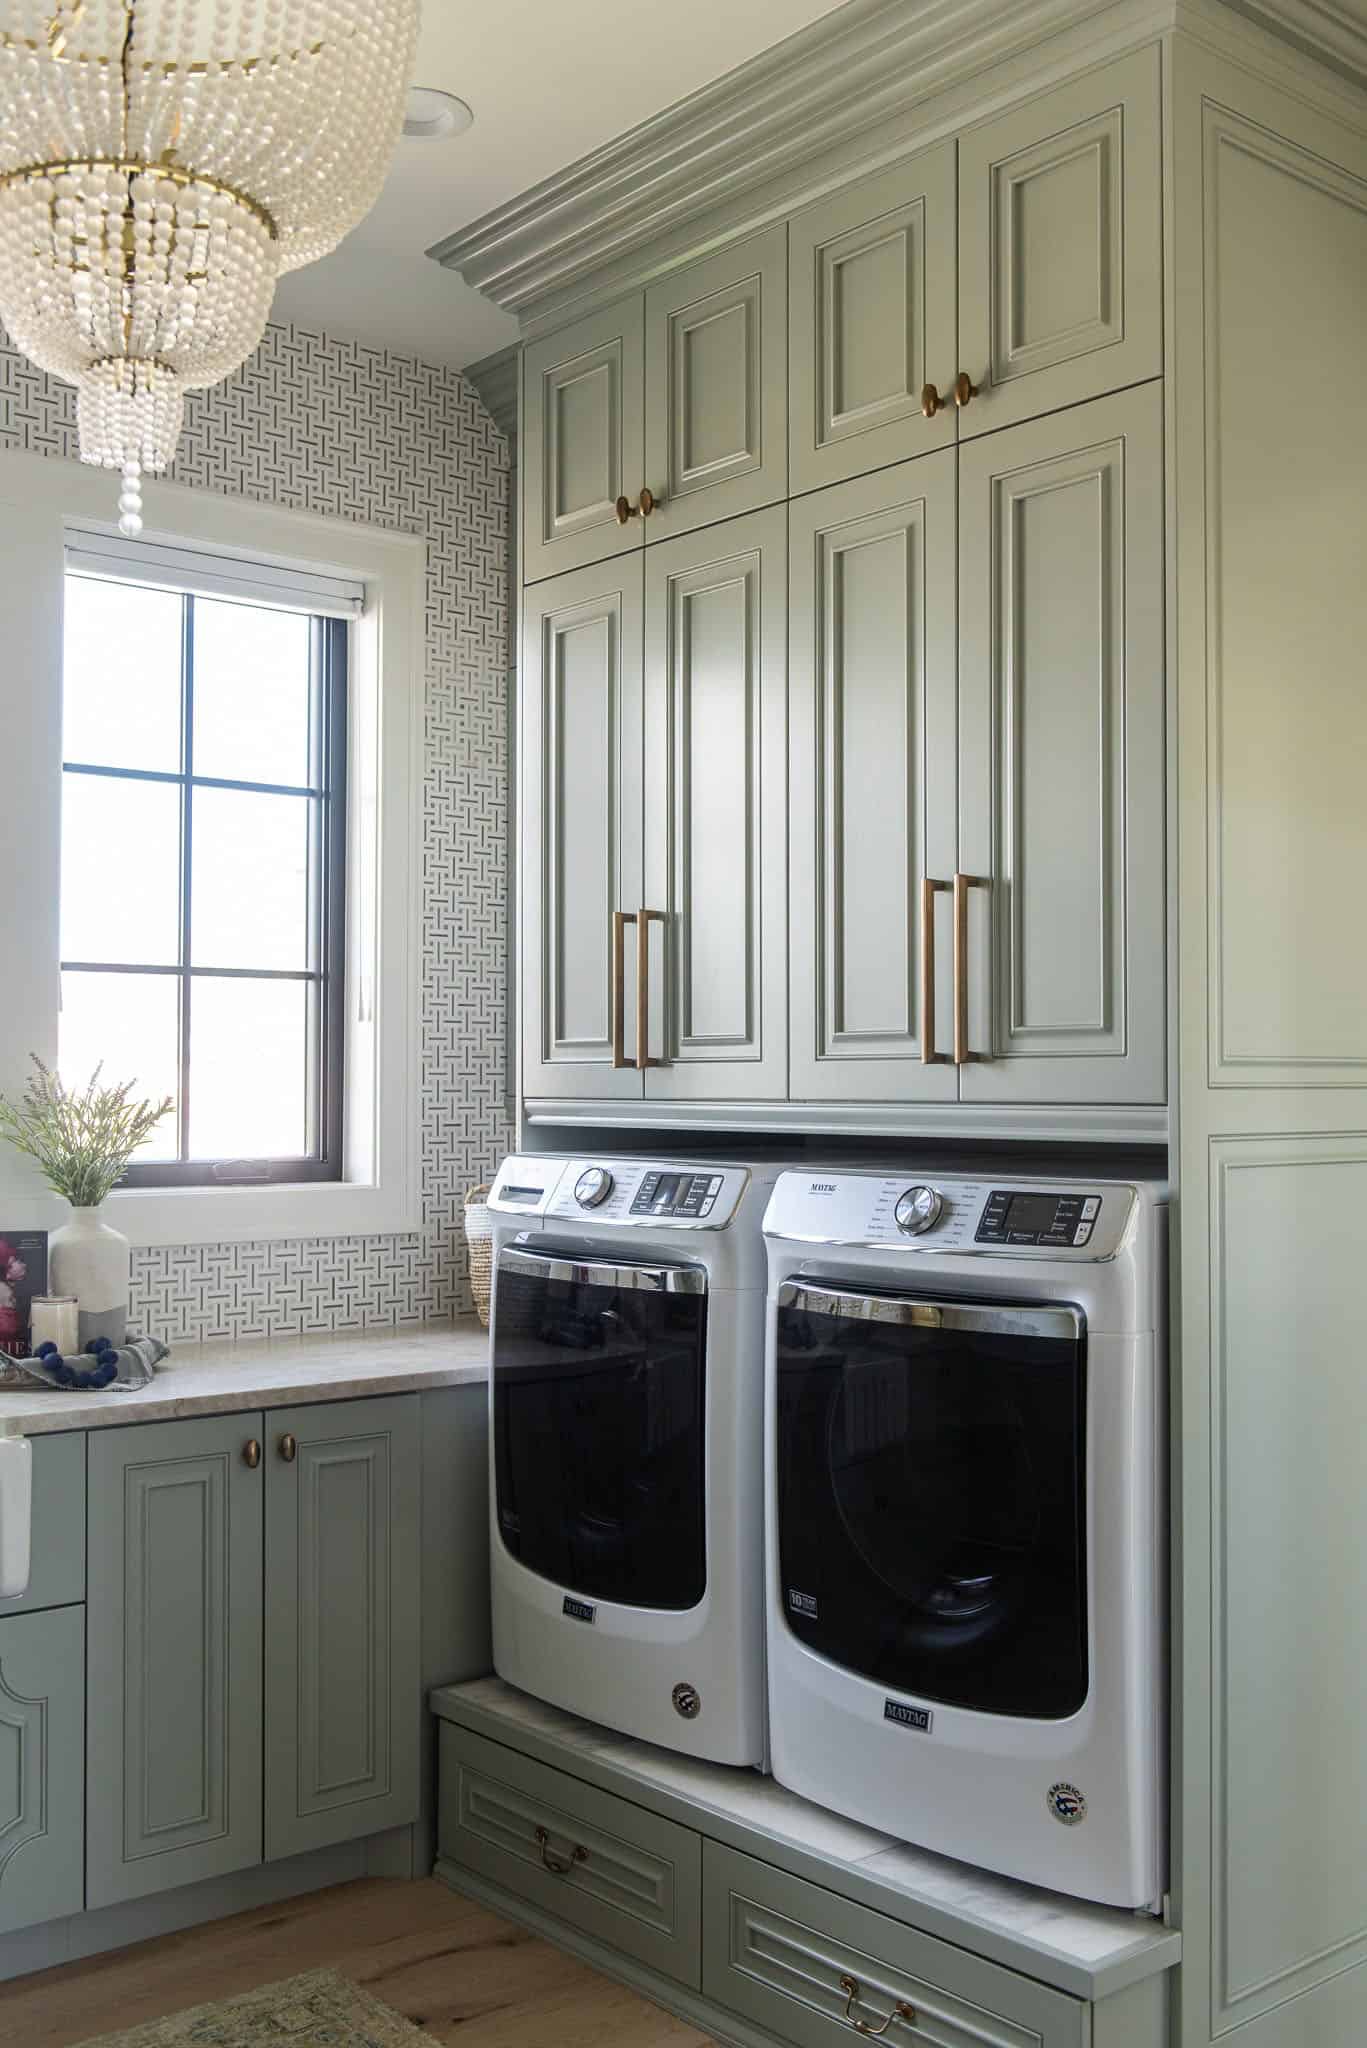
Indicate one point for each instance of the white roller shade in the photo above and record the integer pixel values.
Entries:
(280, 585)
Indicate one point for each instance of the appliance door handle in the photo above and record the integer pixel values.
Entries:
(620, 920)
(1000, 1320)
(962, 884)
(930, 888)
(644, 919)
(615, 1273)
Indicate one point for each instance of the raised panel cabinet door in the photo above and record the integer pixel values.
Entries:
(872, 782)
(581, 839)
(173, 1665)
(1061, 246)
(581, 441)
(344, 1703)
(716, 812)
(872, 319)
(716, 357)
(42, 1770)
(1061, 761)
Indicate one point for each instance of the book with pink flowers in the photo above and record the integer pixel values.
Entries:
(23, 1273)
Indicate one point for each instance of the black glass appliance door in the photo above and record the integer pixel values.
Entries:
(931, 1494)
(599, 1457)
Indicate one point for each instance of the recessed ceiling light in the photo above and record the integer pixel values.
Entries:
(430, 114)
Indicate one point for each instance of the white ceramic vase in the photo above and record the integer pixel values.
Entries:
(90, 1260)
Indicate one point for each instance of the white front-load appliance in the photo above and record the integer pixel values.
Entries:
(626, 1429)
(965, 1517)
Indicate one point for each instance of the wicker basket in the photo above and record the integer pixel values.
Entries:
(479, 1236)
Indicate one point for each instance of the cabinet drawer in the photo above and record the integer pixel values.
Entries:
(57, 1572)
(621, 1874)
(784, 1954)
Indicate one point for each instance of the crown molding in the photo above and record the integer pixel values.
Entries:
(856, 89)
(496, 379)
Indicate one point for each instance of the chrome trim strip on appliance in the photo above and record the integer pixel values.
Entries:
(605, 1272)
(999, 1319)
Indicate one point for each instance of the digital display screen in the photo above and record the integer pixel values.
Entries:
(527, 1195)
(669, 1190)
(1033, 1213)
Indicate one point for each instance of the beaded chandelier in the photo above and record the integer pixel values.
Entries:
(162, 162)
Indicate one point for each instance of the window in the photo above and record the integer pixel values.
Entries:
(204, 838)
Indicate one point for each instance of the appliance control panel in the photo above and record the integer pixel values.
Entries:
(1040, 1219)
(632, 1193)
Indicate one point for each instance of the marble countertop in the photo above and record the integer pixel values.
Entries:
(1087, 1950)
(219, 1377)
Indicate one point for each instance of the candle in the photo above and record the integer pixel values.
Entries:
(55, 1319)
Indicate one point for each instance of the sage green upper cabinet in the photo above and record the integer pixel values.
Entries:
(343, 1690)
(173, 1738)
(1060, 246)
(872, 782)
(582, 441)
(581, 853)
(716, 417)
(1061, 757)
(716, 812)
(871, 321)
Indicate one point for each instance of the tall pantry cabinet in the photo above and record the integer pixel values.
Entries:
(1046, 595)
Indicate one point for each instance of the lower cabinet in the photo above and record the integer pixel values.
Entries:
(253, 1639)
(42, 1779)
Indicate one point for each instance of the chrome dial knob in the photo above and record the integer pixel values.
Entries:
(919, 1209)
(593, 1187)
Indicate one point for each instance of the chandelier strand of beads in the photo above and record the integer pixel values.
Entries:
(204, 148)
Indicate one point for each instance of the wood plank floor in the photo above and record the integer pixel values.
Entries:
(458, 1971)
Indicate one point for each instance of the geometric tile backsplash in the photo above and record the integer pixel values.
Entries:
(325, 425)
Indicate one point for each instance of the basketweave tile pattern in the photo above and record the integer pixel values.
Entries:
(324, 425)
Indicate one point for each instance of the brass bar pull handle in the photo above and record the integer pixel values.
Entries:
(644, 919)
(962, 884)
(251, 1454)
(559, 1866)
(929, 890)
(960, 393)
(901, 2011)
(289, 1448)
(620, 920)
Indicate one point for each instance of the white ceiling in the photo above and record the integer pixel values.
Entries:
(548, 81)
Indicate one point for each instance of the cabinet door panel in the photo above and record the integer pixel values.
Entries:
(716, 813)
(343, 1688)
(1061, 756)
(872, 318)
(173, 1739)
(1060, 240)
(872, 780)
(716, 420)
(582, 441)
(581, 805)
(42, 1776)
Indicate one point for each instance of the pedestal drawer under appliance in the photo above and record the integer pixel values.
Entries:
(622, 1875)
(812, 1969)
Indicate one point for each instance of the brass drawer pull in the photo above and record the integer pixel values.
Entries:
(559, 1866)
(901, 2011)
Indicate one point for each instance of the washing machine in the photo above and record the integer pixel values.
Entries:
(966, 1520)
(626, 1428)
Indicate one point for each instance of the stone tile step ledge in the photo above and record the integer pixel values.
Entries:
(220, 1377)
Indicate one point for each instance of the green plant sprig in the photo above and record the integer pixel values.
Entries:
(83, 1141)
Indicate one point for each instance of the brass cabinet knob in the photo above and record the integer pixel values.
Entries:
(645, 504)
(289, 1448)
(964, 389)
(931, 401)
(251, 1453)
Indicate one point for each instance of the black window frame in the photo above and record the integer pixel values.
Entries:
(325, 974)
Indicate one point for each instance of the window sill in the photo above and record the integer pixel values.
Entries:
(241, 1215)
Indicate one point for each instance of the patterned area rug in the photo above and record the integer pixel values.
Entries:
(319, 2010)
